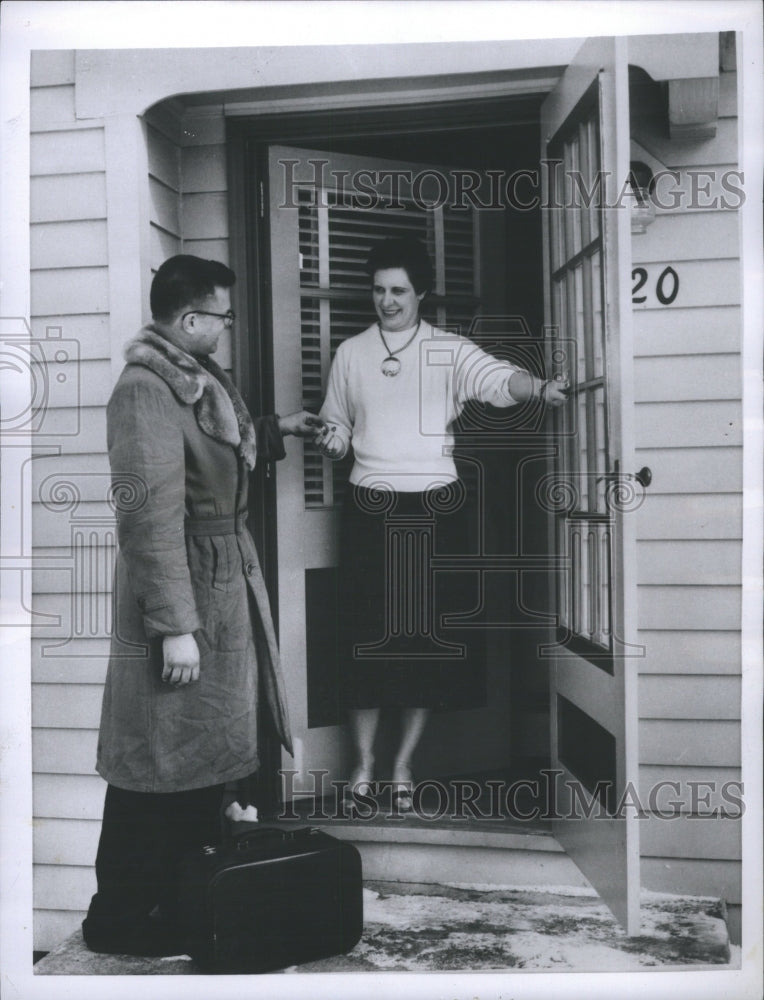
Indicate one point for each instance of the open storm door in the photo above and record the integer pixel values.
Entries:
(585, 146)
(326, 211)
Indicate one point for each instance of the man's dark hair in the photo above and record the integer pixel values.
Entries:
(186, 281)
(407, 253)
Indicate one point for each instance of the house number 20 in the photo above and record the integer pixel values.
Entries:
(666, 287)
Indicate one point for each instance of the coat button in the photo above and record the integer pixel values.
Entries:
(249, 569)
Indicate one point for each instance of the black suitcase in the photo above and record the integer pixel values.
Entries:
(268, 898)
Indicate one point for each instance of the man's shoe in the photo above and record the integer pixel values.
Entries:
(151, 938)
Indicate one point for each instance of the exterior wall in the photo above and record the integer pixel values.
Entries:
(70, 292)
(85, 222)
(688, 381)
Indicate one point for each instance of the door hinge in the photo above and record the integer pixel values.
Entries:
(262, 200)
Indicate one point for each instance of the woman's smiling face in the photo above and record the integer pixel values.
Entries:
(396, 302)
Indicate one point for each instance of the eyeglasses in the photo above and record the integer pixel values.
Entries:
(227, 317)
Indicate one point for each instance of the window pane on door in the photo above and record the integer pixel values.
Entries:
(584, 533)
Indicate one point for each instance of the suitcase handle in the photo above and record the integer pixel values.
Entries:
(245, 839)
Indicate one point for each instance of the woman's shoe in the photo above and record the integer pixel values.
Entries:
(403, 788)
(361, 783)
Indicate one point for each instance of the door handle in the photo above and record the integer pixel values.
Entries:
(644, 477)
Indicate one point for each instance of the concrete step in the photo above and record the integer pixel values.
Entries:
(410, 853)
(421, 927)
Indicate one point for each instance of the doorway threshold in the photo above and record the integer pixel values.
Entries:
(487, 809)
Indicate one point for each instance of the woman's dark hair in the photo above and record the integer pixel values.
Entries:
(407, 253)
(186, 281)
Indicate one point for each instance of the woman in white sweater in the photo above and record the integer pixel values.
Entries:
(393, 392)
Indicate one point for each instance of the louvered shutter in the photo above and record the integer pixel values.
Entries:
(336, 233)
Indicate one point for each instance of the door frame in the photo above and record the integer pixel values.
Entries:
(247, 141)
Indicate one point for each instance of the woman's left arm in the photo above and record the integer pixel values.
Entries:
(523, 387)
(483, 377)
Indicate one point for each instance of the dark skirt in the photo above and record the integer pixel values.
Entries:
(399, 576)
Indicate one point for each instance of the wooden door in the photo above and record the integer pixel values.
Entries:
(326, 211)
(585, 146)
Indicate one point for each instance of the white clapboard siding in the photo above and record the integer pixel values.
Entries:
(696, 515)
(68, 622)
(72, 151)
(52, 68)
(693, 470)
(689, 607)
(163, 246)
(691, 836)
(69, 244)
(68, 796)
(75, 381)
(68, 197)
(64, 751)
(59, 576)
(204, 168)
(688, 696)
(685, 743)
(65, 706)
(58, 666)
(205, 128)
(669, 236)
(70, 304)
(712, 376)
(716, 423)
(204, 202)
(65, 841)
(73, 290)
(164, 207)
(685, 331)
(64, 887)
(163, 157)
(51, 104)
(688, 430)
(210, 249)
(701, 651)
(51, 927)
(75, 431)
(689, 562)
(693, 789)
(91, 472)
(205, 215)
(701, 282)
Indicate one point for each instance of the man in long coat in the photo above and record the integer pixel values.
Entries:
(193, 647)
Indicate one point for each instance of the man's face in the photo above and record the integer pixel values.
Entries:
(199, 330)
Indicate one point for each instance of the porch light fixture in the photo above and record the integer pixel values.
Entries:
(639, 196)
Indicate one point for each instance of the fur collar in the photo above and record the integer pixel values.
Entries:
(219, 408)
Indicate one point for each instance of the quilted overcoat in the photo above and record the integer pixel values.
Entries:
(181, 446)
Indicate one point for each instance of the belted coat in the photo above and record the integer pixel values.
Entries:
(181, 447)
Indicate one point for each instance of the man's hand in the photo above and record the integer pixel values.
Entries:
(181, 659)
(301, 424)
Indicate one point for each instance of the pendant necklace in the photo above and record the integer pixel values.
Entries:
(391, 365)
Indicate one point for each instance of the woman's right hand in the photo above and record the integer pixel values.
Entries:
(328, 442)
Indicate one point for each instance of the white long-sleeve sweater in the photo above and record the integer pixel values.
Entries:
(399, 426)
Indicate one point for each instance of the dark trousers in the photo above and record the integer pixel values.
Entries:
(143, 837)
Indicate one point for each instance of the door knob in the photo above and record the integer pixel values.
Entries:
(644, 477)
